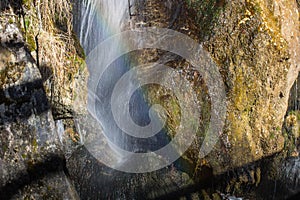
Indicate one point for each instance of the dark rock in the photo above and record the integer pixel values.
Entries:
(94, 180)
(31, 160)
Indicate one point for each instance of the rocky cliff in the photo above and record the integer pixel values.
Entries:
(256, 47)
(31, 153)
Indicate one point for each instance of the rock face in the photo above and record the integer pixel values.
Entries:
(258, 58)
(254, 44)
(93, 180)
(31, 159)
(47, 28)
(256, 47)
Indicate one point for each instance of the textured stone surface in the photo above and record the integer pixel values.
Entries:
(255, 61)
(31, 159)
(256, 47)
(94, 180)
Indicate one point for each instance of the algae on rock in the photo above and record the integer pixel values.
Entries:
(248, 41)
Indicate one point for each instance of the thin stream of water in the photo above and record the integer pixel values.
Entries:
(99, 20)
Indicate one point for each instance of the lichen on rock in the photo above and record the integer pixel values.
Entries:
(249, 44)
(31, 157)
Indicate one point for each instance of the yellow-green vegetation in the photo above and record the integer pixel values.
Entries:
(176, 105)
(158, 15)
(295, 113)
(158, 95)
(291, 133)
(10, 71)
(47, 27)
(206, 13)
(257, 176)
(245, 40)
(34, 145)
(253, 60)
(241, 180)
(216, 196)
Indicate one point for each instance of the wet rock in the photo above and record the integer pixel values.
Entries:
(294, 98)
(53, 186)
(256, 47)
(31, 159)
(289, 178)
(91, 175)
(252, 44)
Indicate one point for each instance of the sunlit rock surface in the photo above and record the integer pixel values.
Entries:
(259, 59)
(256, 47)
(31, 159)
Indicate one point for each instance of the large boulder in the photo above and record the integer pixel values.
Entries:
(31, 159)
(255, 45)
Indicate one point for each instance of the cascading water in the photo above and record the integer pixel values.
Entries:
(97, 21)
(93, 27)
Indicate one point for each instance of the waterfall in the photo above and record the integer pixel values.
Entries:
(60, 130)
(96, 21)
(99, 19)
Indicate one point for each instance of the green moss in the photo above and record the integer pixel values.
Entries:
(34, 144)
(237, 188)
(78, 47)
(79, 61)
(216, 196)
(257, 176)
(49, 188)
(257, 9)
(31, 42)
(27, 198)
(11, 20)
(296, 113)
(26, 3)
(26, 23)
(29, 34)
(70, 76)
(205, 195)
(4, 148)
(272, 135)
(158, 95)
(289, 143)
(206, 13)
(30, 164)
